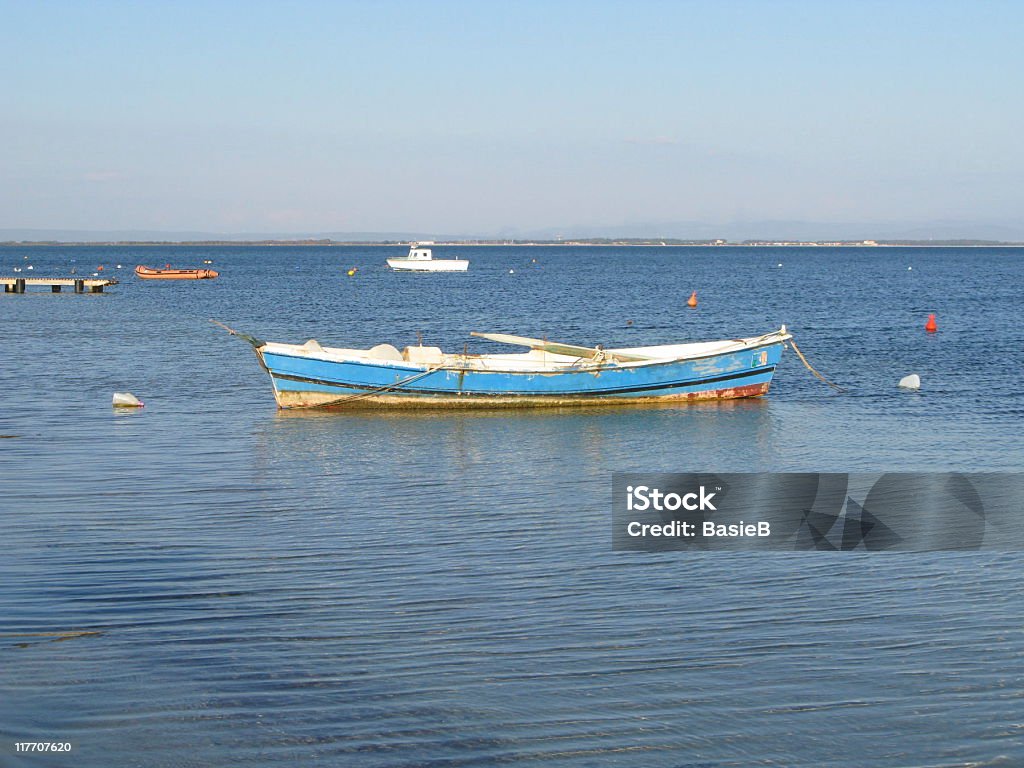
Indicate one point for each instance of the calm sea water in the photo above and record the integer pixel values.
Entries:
(438, 589)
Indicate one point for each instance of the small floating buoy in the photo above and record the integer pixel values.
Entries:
(126, 400)
(99, 268)
(352, 272)
(910, 269)
(29, 267)
(629, 323)
(118, 266)
(511, 271)
(779, 264)
(913, 381)
(931, 326)
(692, 301)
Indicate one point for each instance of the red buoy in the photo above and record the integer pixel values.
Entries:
(931, 326)
(692, 301)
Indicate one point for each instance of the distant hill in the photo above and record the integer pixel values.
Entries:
(789, 230)
(167, 236)
(946, 231)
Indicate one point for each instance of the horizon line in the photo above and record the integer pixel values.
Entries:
(653, 242)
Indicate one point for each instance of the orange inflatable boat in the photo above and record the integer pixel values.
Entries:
(175, 274)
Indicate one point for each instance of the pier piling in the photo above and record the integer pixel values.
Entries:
(56, 284)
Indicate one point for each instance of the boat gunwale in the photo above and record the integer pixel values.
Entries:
(411, 367)
(402, 262)
(597, 395)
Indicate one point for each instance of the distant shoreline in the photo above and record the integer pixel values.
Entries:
(623, 243)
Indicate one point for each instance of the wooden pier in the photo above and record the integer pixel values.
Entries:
(80, 284)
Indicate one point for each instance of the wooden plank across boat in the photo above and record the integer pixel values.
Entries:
(550, 374)
(148, 273)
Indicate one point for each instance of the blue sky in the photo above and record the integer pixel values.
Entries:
(484, 118)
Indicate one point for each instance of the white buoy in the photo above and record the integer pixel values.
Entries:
(779, 264)
(126, 400)
(511, 271)
(913, 381)
(910, 269)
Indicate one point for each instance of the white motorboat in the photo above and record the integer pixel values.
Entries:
(422, 259)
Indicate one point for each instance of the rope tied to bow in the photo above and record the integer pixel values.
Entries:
(792, 343)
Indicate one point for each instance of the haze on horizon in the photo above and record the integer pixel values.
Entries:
(508, 119)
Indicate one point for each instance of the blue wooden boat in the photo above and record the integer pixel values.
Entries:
(549, 374)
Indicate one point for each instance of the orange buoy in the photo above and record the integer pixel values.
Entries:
(931, 326)
(692, 301)
(99, 268)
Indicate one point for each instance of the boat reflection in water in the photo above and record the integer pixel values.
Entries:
(489, 452)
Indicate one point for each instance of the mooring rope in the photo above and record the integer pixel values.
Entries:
(792, 343)
(599, 358)
(256, 343)
(377, 391)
